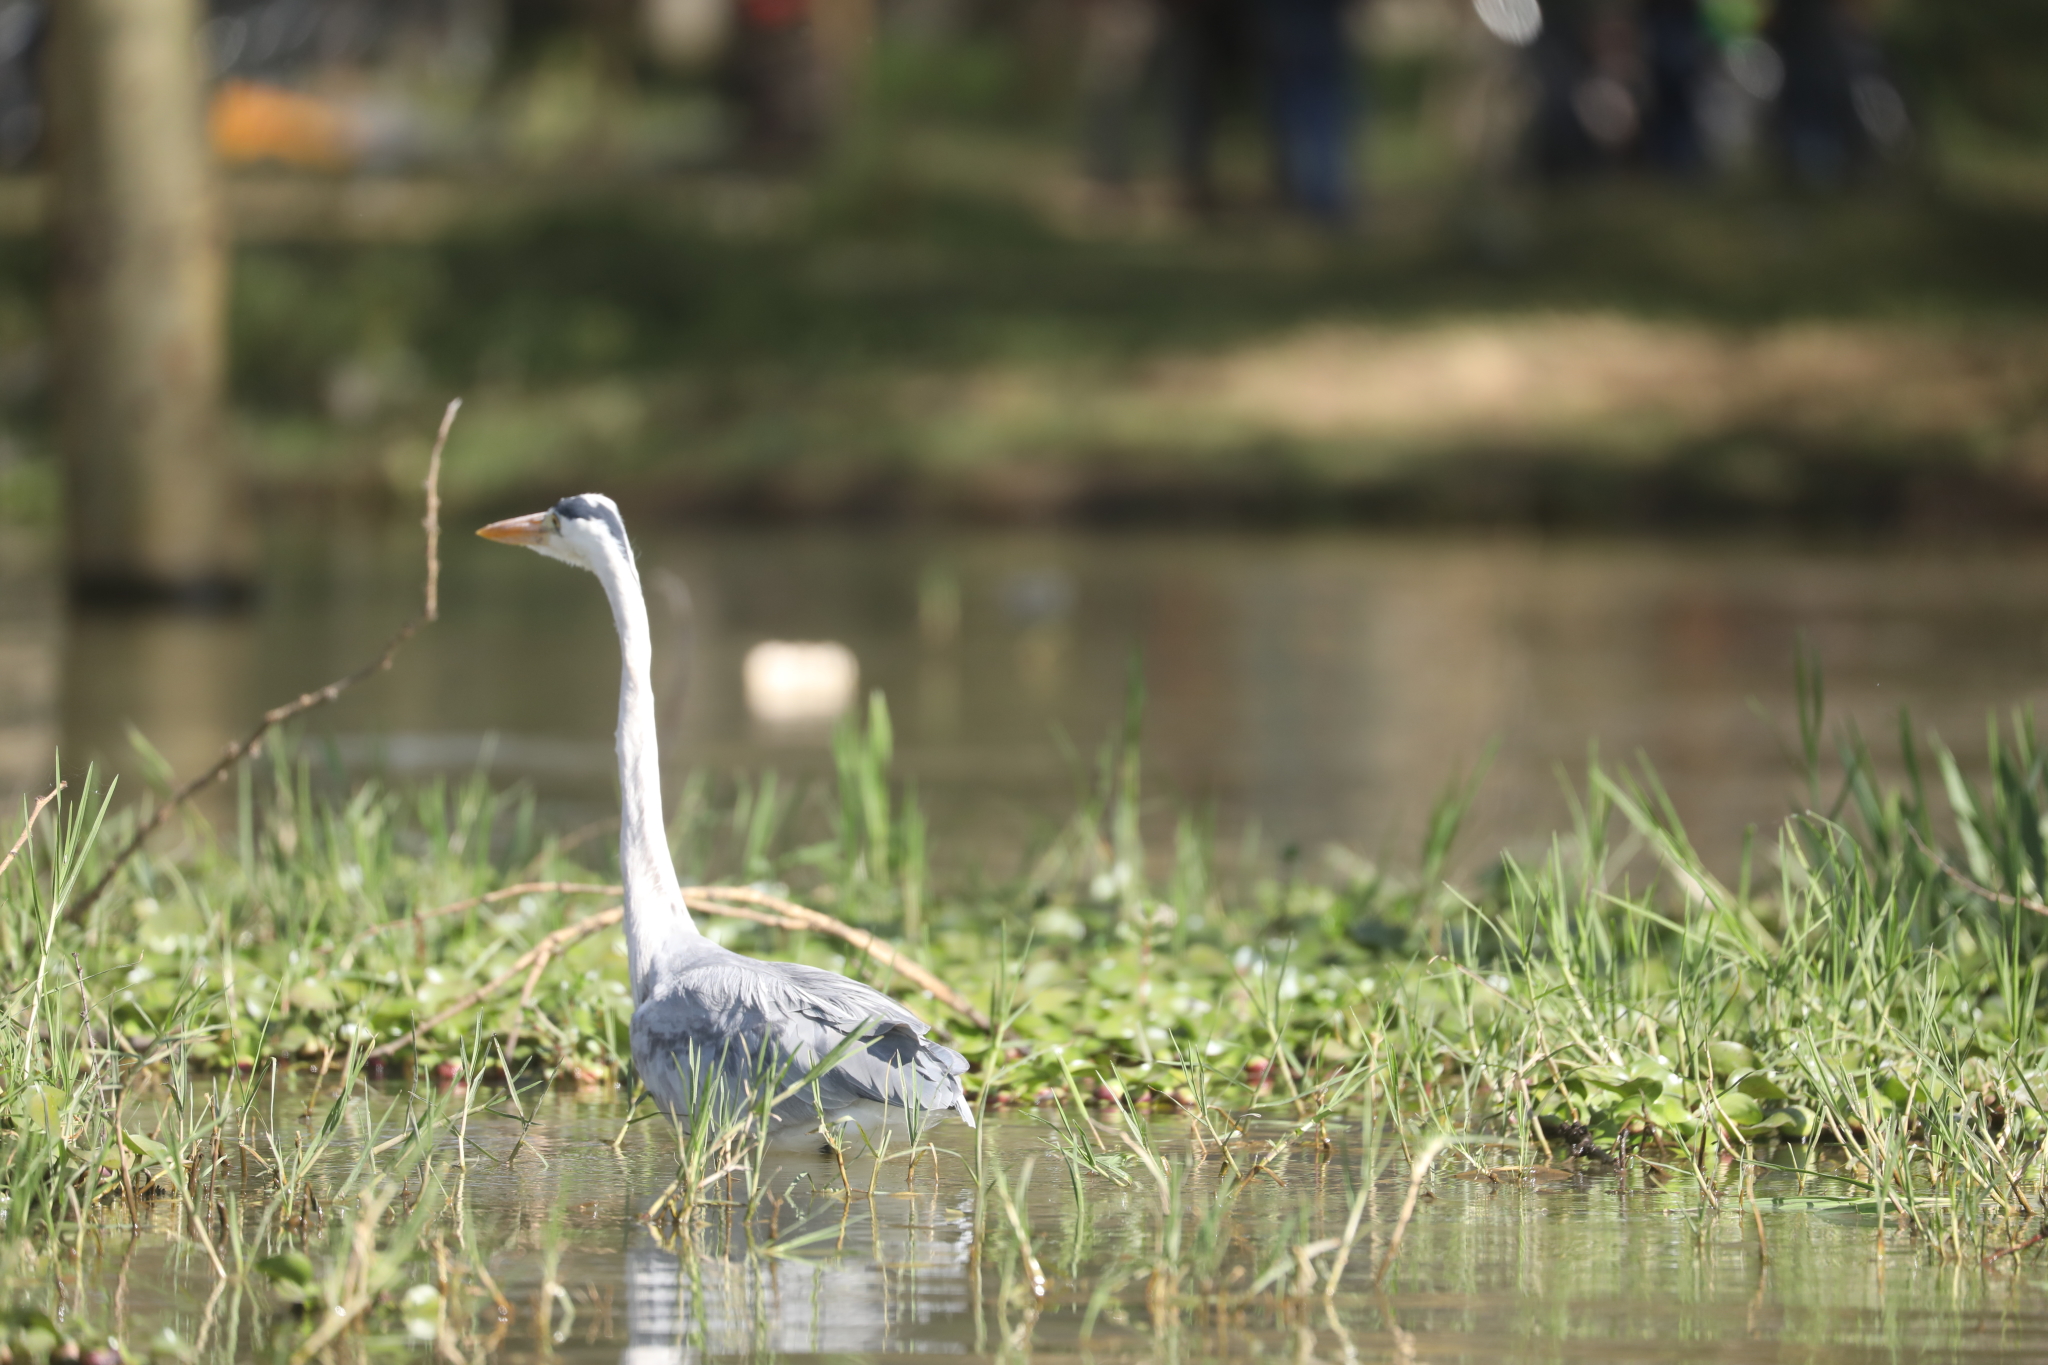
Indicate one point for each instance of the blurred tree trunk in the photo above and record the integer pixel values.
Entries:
(153, 506)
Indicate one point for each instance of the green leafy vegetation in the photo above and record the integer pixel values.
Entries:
(1858, 1008)
(1854, 981)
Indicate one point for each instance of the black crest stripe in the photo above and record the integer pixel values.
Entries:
(586, 508)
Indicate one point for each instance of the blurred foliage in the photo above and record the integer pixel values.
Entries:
(889, 272)
(715, 328)
(1984, 59)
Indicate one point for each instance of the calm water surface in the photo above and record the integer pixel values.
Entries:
(1324, 686)
(1321, 686)
(1581, 1264)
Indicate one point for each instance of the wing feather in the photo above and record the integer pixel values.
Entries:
(740, 1023)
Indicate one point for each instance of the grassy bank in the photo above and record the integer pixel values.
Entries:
(193, 1060)
(1856, 984)
(934, 327)
(908, 344)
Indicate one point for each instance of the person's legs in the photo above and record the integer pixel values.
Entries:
(1183, 96)
(1676, 45)
(1117, 49)
(1196, 67)
(1309, 72)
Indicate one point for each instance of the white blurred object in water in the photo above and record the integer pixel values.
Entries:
(790, 681)
(686, 32)
(1512, 21)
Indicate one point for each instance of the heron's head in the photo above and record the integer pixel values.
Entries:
(579, 530)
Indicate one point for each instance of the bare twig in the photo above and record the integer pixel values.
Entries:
(2029, 1244)
(501, 894)
(418, 921)
(731, 902)
(277, 715)
(1962, 879)
(539, 954)
(430, 521)
(706, 898)
(28, 825)
(1417, 1173)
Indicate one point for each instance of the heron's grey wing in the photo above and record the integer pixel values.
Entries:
(698, 1052)
(891, 1062)
(746, 1022)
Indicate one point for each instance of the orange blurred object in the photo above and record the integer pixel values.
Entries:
(250, 123)
(774, 13)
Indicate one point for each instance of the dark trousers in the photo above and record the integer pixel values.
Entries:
(1308, 66)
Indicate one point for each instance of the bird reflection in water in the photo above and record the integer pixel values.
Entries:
(838, 1275)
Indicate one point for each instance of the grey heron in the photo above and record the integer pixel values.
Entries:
(711, 1026)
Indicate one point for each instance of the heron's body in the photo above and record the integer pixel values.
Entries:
(711, 1027)
(701, 1037)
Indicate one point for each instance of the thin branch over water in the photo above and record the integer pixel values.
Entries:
(731, 902)
(252, 742)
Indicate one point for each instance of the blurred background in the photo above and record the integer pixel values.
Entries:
(1388, 383)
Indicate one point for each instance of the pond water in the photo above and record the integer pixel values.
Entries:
(1505, 1258)
(1322, 685)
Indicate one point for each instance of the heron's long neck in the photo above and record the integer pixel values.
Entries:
(656, 918)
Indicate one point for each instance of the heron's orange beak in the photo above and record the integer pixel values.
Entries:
(517, 530)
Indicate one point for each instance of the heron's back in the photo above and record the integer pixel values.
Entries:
(716, 1031)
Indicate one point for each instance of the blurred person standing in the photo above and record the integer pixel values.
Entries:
(1814, 119)
(1209, 52)
(1837, 109)
(1679, 53)
(1308, 70)
(773, 78)
(1559, 146)
(1591, 65)
(1120, 42)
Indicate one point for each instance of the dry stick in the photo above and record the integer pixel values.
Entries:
(781, 915)
(729, 901)
(501, 894)
(546, 948)
(526, 994)
(536, 959)
(33, 816)
(1416, 1175)
(540, 966)
(874, 947)
(278, 715)
(419, 920)
(2031, 1242)
(1957, 875)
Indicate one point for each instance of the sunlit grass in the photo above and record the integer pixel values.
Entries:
(195, 1054)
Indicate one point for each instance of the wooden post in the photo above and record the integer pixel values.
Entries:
(153, 507)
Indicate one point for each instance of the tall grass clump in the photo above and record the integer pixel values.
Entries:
(270, 1037)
